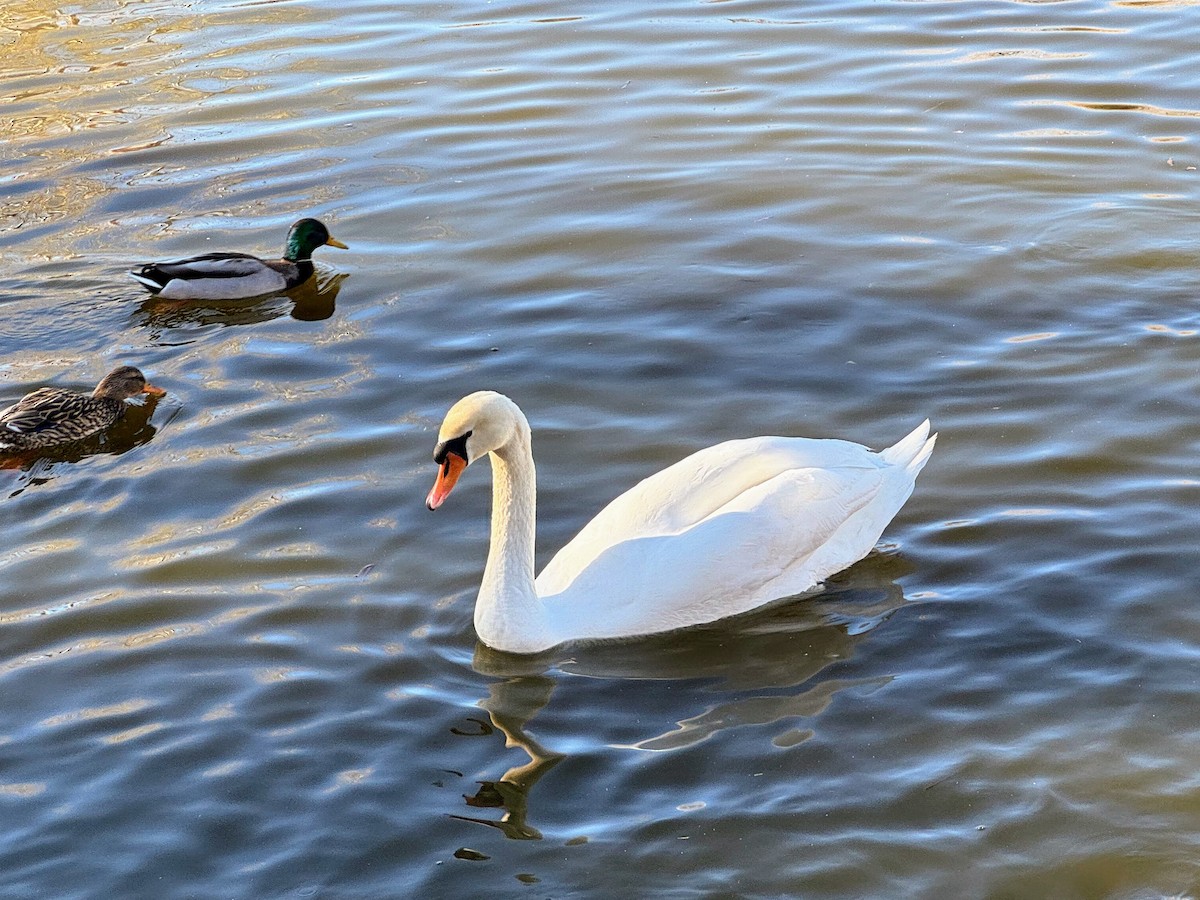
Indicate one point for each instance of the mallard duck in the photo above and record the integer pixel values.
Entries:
(233, 276)
(50, 416)
(720, 532)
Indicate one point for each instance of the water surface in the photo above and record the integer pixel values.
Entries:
(236, 650)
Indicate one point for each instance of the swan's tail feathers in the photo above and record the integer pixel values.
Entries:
(912, 451)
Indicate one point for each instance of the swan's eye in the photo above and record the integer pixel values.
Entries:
(457, 446)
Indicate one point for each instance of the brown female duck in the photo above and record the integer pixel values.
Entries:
(51, 416)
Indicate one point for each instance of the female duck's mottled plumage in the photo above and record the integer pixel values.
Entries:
(232, 276)
(51, 416)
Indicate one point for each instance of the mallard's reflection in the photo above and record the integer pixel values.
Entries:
(761, 665)
(132, 430)
(310, 302)
(315, 299)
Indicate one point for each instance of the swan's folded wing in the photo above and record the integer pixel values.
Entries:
(720, 565)
(687, 493)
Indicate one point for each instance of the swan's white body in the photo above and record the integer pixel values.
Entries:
(721, 532)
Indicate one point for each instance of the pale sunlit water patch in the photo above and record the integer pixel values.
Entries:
(1055, 132)
(1029, 338)
(160, 635)
(134, 734)
(28, 789)
(34, 613)
(348, 779)
(751, 711)
(1015, 54)
(1036, 512)
(32, 553)
(162, 558)
(224, 711)
(224, 771)
(123, 708)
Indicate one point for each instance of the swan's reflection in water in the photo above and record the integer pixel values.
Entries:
(760, 668)
(509, 705)
(309, 302)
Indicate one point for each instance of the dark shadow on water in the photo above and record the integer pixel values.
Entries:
(776, 654)
(509, 705)
(38, 467)
(177, 321)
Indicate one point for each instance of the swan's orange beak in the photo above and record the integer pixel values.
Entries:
(151, 390)
(447, 477)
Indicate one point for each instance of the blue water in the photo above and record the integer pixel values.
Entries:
(236, 650)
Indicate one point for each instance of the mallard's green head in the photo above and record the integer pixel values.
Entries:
(125, 382)
(305, 237)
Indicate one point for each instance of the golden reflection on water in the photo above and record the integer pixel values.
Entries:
(1029, 338)
(125, 707)
(133, 734)
(115, 643)
(107, 100)
(69, 81)
(1099, 106)
(27, 789)
(67, 198)
(40, 612)
(985, 55)
(1167, 329)
(48, 547)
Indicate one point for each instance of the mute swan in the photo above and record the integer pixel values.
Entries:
(720, 532)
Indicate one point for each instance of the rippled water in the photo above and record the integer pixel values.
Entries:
(236, 650)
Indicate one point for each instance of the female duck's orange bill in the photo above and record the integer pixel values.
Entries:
(447, 477)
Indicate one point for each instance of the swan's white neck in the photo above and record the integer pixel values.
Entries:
(508, 614)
